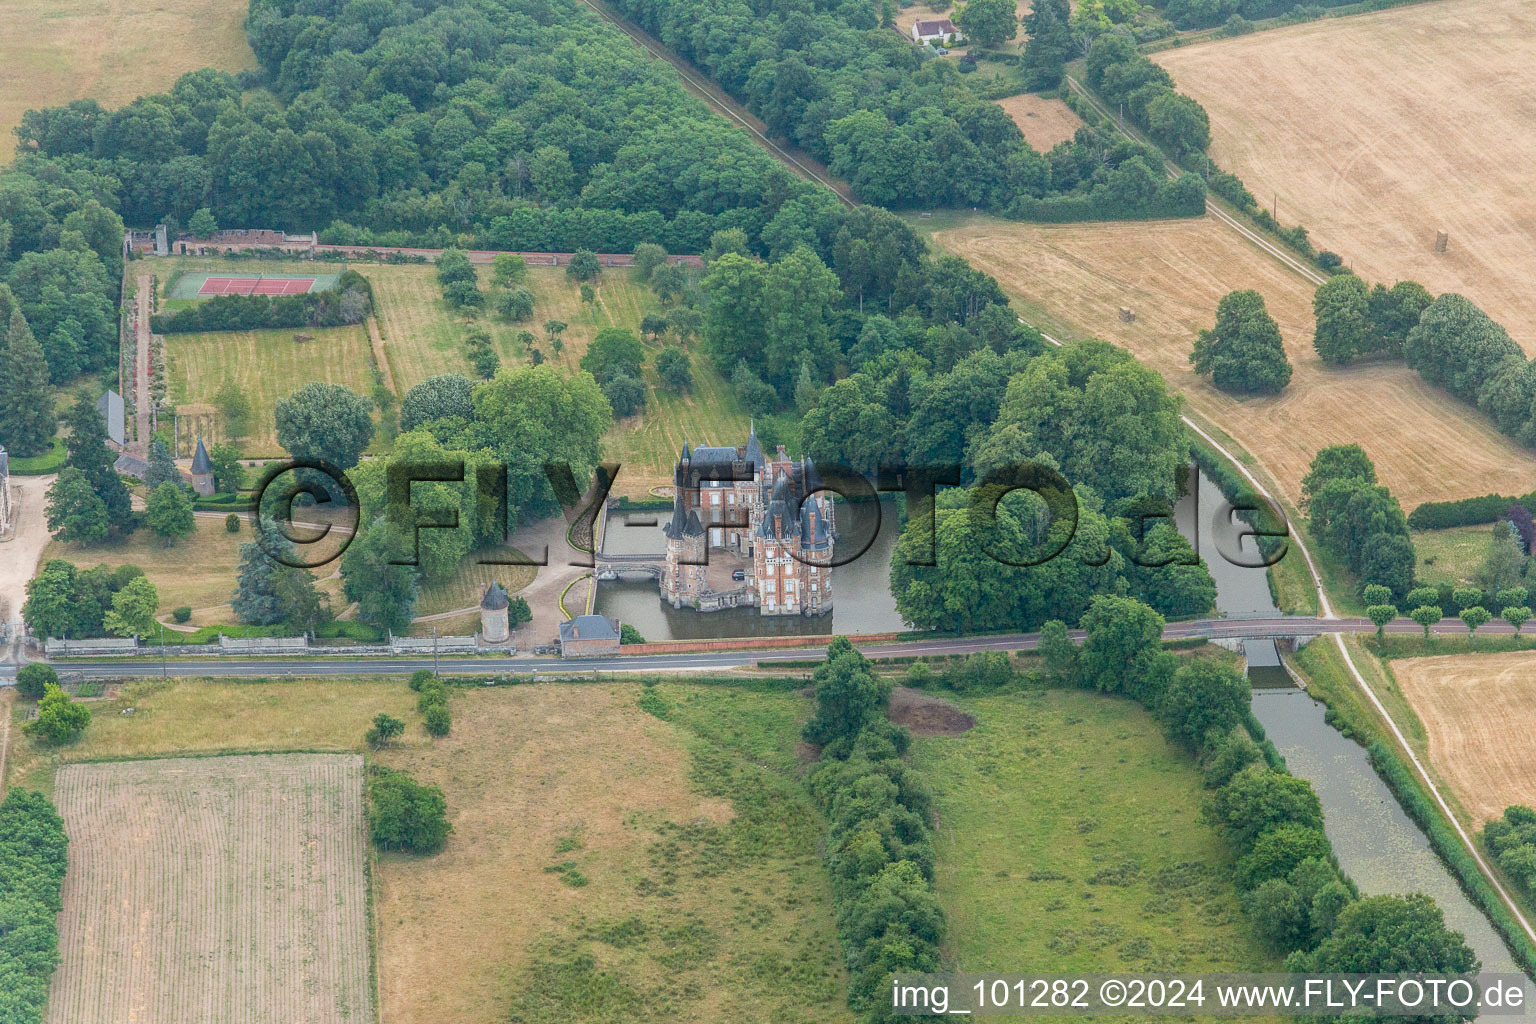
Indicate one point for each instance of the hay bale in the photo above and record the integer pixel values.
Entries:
(1442, 241)
(1127, 315)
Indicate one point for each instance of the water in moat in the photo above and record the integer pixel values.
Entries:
(1376, 843)
(862, 599)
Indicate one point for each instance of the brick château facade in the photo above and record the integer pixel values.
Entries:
(739, 502)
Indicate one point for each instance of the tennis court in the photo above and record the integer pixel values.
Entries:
(205, 286)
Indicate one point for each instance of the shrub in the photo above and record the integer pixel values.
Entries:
(182, 614)
(405, 815)
(420, 678)
(1439, 515)
(385, 728)
(33, 680)
(232, 523)
(59, 718)
(437, 720)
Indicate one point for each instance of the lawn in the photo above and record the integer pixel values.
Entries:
(197, 571)
(647, 444)
(424, 337)
(267, 366)
(54, 51)
(1453, 555)
(1071, 839)
(467, 587)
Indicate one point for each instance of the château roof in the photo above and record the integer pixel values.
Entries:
(495, 598)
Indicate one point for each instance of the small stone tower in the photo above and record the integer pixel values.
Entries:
(494, 626)
(202, 470)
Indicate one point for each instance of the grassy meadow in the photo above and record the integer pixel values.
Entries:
(607, 864)
(1070, 839)
(1455, 555)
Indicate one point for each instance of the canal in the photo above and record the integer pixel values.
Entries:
(1376, 843)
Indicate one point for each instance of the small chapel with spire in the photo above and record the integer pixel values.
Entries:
(766, 514)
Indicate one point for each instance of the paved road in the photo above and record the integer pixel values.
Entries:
(1265, 628)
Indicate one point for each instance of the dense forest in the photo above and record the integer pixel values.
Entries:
(902, 128)
(533, 124)
(524, 123)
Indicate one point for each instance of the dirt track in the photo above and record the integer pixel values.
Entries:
(1479, 711)
(19, 556)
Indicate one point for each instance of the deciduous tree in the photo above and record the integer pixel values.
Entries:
(325, 422)
(1244, 353)
(988, 23)
(133, 609)
(169, 513)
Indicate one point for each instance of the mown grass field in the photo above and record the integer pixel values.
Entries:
(607, 864)
(1070, 839)
(54, 51)
(424, 337)
(1044, 122)
(1072, 280)
(465, 589)
(1471, 707)
(228, 888)
(197, 571)
(268, 366)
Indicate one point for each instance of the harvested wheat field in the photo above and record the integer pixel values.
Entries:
(226, 890)
(1476, 710)
(54, 51)
(1076, 278)
(1378, 131)
(1044, 122)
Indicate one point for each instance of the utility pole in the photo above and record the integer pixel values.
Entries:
(163, 669)
(434, 652)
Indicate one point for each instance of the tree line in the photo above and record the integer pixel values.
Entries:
(1447, 338)
(32, 864)
(879, 848)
